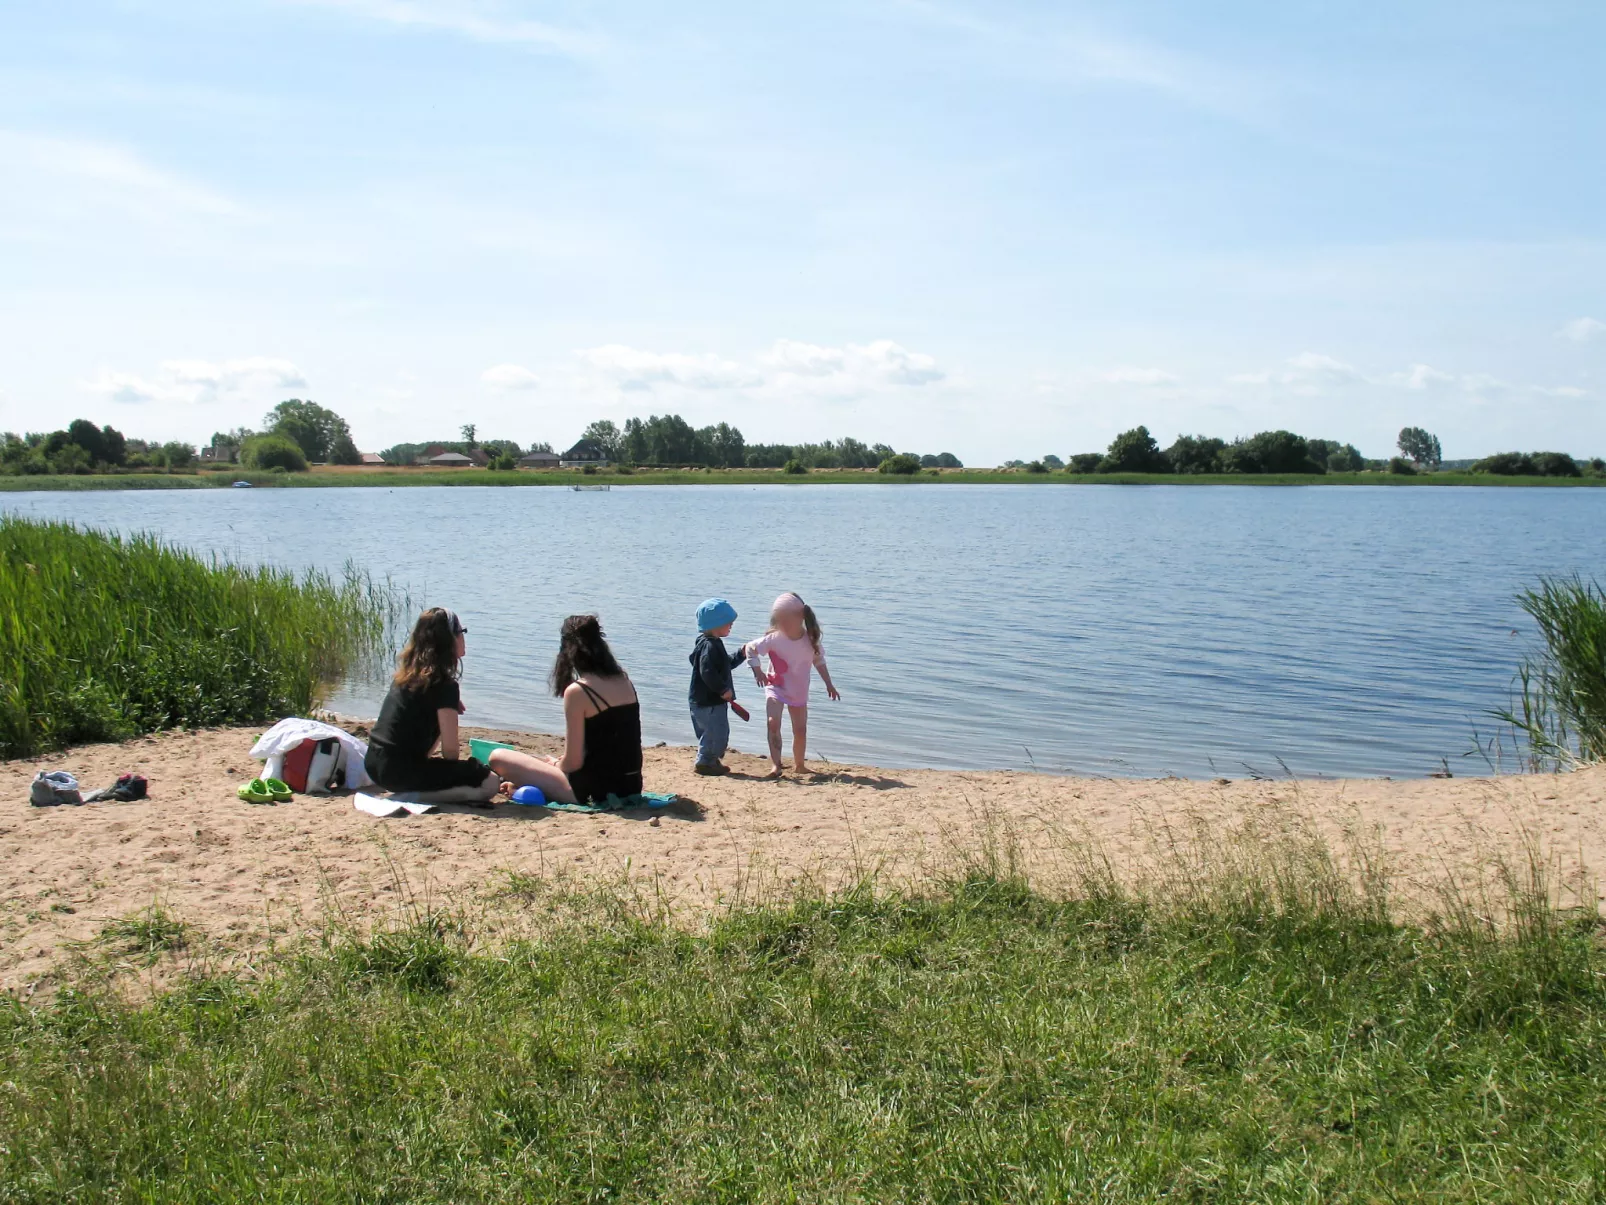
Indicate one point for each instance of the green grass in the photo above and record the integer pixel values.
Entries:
(103, 637)
(393, 478)
(1274, 1040)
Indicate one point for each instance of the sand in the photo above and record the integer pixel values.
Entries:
(249, 880)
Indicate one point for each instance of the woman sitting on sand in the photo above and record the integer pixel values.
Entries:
(421, 711)
(602, 725)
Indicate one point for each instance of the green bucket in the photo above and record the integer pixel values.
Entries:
(480, 750)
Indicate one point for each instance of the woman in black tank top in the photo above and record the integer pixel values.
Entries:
(602, 725)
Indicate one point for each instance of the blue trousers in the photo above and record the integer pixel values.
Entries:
(713, 728)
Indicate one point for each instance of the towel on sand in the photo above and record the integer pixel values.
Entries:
(408, 805)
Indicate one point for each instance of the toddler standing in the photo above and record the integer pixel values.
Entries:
(713, 694)
(793, 647)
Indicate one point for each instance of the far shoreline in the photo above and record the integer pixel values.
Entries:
(340, 477)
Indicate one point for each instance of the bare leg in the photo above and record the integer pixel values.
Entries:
(800, 737)
(523, 770)
(772, 717)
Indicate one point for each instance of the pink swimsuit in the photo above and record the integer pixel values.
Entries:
(790, 665)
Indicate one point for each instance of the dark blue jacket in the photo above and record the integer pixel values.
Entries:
(711, 669)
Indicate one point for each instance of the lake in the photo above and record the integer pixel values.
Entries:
(1190, 630)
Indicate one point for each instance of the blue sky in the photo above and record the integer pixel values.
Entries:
(999, 229)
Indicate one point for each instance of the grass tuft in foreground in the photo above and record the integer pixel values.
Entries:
(1266, 1041)
(103, 637)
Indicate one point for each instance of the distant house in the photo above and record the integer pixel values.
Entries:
(586, 452)
(372, 458)
(451, 460)
(221, 452)
(539, 460)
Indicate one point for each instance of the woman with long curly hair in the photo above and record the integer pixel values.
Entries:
(602, 725)
(420, 714)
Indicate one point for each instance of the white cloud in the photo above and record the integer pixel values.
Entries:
(510, 376)
(1128, 375)
(1421, 376)
(1583, 330)
(198, 382)
(805, 359)
(118, 174)
(891, 362)
(1250, 378)
(1310, 366)
(481, 22)
(633, 368)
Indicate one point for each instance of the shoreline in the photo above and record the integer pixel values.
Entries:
(251, 880)
(412, 478)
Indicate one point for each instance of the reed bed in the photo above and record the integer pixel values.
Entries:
(104, 637)
(1558, 715)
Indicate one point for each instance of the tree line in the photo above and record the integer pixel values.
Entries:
(83, 448)
(1137, 451)
(670, 440)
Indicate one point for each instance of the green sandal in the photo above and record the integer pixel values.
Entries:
(279, 789)
(255, 791)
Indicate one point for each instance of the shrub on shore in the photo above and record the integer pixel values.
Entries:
(901, 465)
(268, 452)
(103, 637)
(1277, 1039)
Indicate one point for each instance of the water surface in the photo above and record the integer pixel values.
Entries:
(1112, 630)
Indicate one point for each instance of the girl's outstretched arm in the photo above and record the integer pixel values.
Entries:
(825, 675)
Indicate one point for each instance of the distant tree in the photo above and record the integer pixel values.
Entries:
(1053, 462)
(607, 437)
(722, 446)
(1506, 464)
(1269, 452)
(1195, 454)
(320, 433)
(1402, 467)
(468, 431)
(1345, 459)
(794, 467)
(947, 460)
(900, 464)
(1037, 466)
(1085, 462)
(1134, 451)
(1421, 446)
(542, 446)
(271, 451)
(1555, 464)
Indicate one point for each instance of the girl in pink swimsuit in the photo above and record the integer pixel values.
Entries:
(793, 647)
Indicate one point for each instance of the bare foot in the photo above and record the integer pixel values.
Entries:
(775, 773)
(802, 769)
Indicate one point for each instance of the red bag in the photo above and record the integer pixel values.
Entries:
(296, 764)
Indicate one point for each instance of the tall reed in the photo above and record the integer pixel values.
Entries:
(1558, 715)
(103, 637)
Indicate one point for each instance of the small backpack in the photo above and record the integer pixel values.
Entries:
(315, 767)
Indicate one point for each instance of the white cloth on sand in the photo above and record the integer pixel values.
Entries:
(287, 734)
(378, 805)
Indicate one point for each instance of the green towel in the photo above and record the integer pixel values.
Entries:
(647, 799)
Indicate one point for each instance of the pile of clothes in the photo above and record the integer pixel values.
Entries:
(52, 788)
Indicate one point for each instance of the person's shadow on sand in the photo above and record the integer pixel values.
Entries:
(682, 809)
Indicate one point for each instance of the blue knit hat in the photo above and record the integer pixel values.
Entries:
(715, 613)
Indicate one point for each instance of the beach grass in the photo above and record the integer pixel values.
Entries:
(104, 637)
(1558, 714)
(393, 478)
(1259, 1036)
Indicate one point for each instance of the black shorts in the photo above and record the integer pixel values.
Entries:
(422, 774)
(595, 789)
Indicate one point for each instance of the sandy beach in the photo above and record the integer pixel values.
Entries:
(248, 878)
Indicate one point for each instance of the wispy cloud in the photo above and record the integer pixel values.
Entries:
(31, 161)
(1058, 48)
(790, 366)
(1130, 375)
(502, 377)
(634, 369)
(197, 382)
(480, 22)
(1583, 330)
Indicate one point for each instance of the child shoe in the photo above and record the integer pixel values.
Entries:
(255, 791)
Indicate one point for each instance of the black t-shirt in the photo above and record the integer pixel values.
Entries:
(408, 725)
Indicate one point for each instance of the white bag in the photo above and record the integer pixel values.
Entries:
(326, 771)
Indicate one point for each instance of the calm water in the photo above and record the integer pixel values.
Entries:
(1106, 630)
